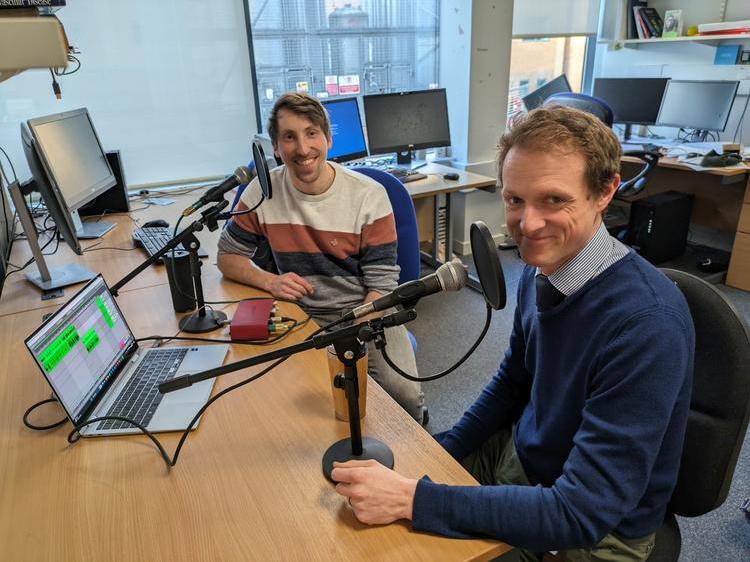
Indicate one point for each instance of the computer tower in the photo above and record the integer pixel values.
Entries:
(115, 199)
(659, 225)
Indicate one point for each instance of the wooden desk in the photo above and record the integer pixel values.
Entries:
(19, 295)
(722, 202)
(435, 185)
(248, 484)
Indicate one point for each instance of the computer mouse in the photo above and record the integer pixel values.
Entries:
(155, 223)
(451, 176)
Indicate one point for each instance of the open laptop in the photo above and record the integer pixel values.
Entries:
(90, 358)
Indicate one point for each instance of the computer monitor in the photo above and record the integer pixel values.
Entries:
(634, 101)
(346, 130)
(406, 121)
(703, 105)
(74, 163)
(536, 98)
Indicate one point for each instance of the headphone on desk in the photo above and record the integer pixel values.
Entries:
(715, 160)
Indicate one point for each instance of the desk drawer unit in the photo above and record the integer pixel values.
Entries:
(739, 266)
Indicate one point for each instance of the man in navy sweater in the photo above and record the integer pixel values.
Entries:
(577, 438)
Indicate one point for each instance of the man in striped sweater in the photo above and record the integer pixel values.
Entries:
(326, 239)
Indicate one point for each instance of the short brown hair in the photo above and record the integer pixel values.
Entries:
(303, 105)
(566, 130)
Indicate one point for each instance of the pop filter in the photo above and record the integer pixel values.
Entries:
(487, 263)
(261, 168)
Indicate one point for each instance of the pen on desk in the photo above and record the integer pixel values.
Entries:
(418, 166)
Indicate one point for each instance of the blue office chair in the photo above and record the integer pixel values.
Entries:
(407, 234)
(601, 109)
(241, 188)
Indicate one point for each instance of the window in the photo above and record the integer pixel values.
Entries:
(539, 60)
(332, 48)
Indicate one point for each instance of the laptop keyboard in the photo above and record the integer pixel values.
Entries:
(140, 397)
(154, 238)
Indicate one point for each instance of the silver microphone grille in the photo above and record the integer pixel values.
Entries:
(452, 275)
(243, 175)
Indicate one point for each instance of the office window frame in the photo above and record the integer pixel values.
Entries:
(587, 70)
(395, 65)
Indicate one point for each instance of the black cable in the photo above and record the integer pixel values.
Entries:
(75, 435)
(449, 369)
(30, 425)
(10, 163)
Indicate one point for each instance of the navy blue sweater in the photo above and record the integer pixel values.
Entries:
(599, 387)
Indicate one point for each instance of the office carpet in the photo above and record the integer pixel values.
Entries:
(446, 326)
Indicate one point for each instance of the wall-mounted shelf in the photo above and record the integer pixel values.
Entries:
(707, 39)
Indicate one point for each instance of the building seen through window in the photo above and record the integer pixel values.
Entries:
(534, 62)
(333, 48)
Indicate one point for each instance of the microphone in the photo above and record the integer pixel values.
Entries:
(450, 276)
(241, 176)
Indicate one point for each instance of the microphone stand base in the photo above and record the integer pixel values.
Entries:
(196, 324)
(341, 451)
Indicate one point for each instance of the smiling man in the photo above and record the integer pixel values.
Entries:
(326, 239)
(577, 439)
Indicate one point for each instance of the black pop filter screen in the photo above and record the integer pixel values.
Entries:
(261, 168)
(487, 263)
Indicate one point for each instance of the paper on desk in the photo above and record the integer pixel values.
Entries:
(695, 148)
(158, 201)
(694, 163)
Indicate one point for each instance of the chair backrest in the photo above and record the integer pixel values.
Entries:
(720, 400)
(589, 104)
(406, 222)
(242, 187)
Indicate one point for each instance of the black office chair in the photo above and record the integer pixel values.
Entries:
(601, 109)
(719, 409)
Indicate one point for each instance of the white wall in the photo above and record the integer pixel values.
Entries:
(167, 83)
(684, 59)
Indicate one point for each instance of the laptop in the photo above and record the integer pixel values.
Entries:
(89, 356)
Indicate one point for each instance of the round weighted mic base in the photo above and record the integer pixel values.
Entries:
(196, 324)
(341, 451)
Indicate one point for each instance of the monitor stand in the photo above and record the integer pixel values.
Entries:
(46, 278)
(90, 229)
(626, 135)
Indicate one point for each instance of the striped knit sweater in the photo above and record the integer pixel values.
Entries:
(342, 241)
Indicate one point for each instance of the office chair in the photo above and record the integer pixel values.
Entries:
(407, 253)
(601, 109)
(719, 409)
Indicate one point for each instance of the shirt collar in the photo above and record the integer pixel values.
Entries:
(584, 265)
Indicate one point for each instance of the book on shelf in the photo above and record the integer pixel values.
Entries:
(632, 25)
(724, 28)
(653, 21)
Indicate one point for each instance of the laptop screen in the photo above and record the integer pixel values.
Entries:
(81, 348)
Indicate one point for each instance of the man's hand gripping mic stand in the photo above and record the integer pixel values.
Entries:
(350, 345)
(201, 320)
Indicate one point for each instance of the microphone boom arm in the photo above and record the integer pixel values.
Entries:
(365, 332)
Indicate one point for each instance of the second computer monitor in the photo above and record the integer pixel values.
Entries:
(346, 130)
(74, 163)
(408, 120)
(634, 101)
(702, 105)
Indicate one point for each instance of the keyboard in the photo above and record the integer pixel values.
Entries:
(154, 238)
(140, 397)
(405, 175)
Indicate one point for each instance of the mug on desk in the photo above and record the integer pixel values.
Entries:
(336, 367)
